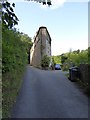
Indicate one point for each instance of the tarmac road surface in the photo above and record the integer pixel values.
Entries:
(49, 94)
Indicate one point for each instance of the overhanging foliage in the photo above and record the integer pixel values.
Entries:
(44, 2)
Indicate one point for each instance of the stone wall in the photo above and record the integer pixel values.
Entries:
(84, 70)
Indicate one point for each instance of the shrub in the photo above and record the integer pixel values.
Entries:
(45, 61)
(14, 60)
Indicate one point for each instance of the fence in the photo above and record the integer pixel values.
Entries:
(84, 75)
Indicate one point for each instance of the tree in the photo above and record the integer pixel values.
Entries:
(89, 55)
(56, 59)
(28, 42)
(53, 60)
(45, 61)
(44, 2)
(63, 58)
(9, 19)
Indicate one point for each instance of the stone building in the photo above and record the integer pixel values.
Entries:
(41, 47)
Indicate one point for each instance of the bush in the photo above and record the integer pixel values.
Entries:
(14, 60)
(14, 50)
(45, 61)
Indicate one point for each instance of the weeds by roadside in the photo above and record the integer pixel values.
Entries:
(11, 83)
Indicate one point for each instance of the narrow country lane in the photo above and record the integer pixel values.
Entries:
(49, 94)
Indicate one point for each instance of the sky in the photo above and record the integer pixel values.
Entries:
(67, 23)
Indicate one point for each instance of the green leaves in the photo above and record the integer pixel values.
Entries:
(9, 18)
(13, 4)
(14, 49)
(89, 55)
(73, 58)
(44, 2)
(56, 59)
(63, 58)
(45, 61)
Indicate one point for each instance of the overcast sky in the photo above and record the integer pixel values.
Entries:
(67, 23)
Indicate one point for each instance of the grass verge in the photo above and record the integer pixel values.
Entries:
(11, 83)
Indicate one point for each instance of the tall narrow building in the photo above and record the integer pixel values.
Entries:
(41, 47)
